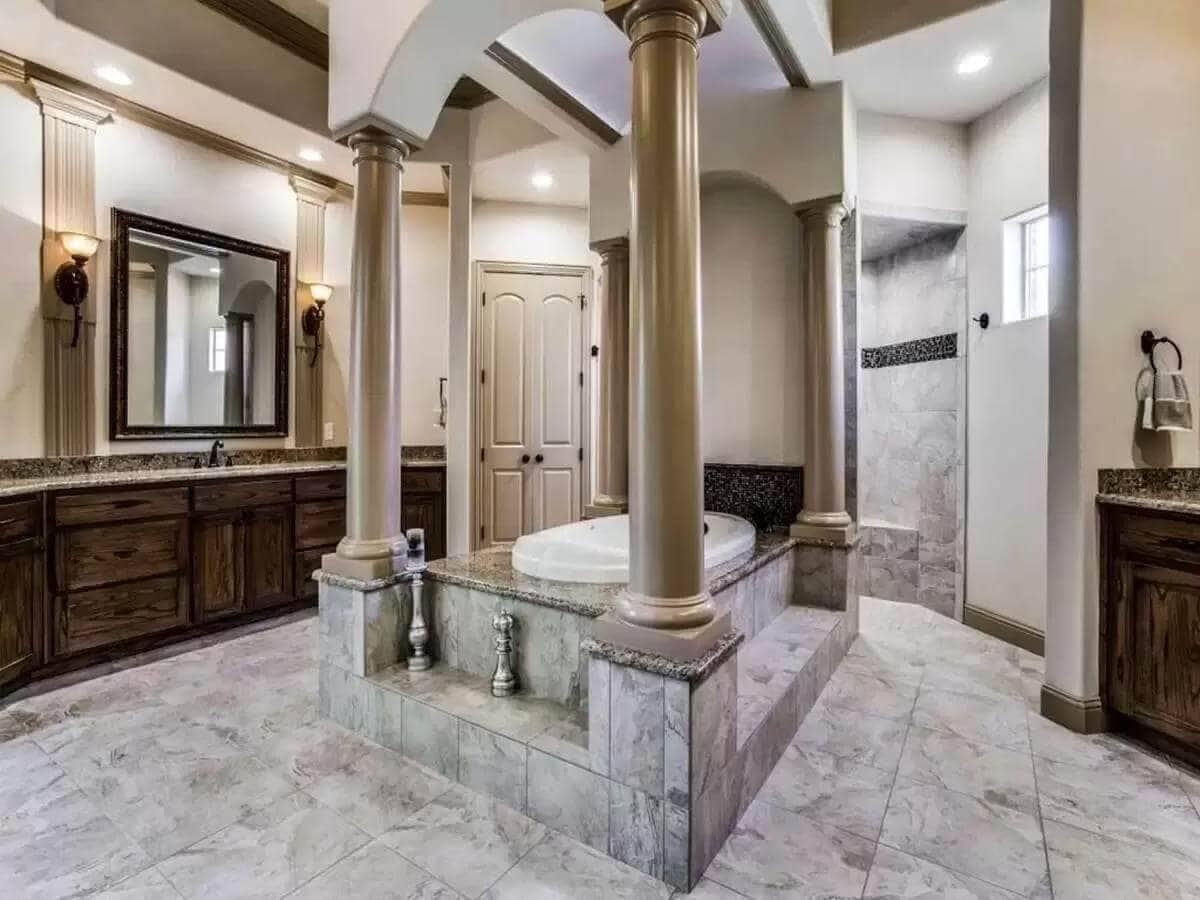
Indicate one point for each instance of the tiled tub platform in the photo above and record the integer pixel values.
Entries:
(647, 759)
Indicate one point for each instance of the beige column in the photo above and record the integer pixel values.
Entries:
(824, 513)
(311, 199)
(374, 544)
(612, 457)
(666, 590)
(69, 124)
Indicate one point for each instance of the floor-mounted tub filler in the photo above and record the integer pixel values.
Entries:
(647, 758)
(596, 551)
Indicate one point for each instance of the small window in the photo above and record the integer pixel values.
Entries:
(216, 348)
(1027, 265)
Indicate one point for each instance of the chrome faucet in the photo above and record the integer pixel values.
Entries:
(214, 454)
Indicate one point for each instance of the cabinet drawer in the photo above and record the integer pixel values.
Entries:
(20, 519)
(320, 523)
(307, 562)
(241, 494)
(322, 486)
(1159, 539)
(108, 615)
(88, 557)
(422, 479)
(119, 506)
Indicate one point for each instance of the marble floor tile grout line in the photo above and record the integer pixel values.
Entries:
(1040, 817)
(517, 861)
(891, 790)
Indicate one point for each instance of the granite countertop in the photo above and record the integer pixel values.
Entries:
(492, 570)
(10, 487)
(1162, 501)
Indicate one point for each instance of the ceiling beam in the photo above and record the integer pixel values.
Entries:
(773, 36)
(552, 91)
(857, 23)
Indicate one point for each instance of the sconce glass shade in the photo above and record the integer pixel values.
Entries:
(77, 245)
(320, 292)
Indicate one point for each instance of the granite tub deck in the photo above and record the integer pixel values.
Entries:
(647, 759)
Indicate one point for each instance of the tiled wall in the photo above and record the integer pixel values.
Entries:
(768, 496)
(911, 429)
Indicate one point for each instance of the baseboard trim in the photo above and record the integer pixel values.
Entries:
(1081, 716)
(1008, 630)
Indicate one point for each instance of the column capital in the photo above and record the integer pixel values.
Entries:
(614, 246)
(379, 146)
(710, 14)
(310, 191)
(832, 210)
(59, 103)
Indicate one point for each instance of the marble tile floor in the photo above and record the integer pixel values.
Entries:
(923, 771)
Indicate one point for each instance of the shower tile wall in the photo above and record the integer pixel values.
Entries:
(911, 423)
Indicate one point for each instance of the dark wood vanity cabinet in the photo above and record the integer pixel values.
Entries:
(98, 573)
(21, 566)
(1150, 626)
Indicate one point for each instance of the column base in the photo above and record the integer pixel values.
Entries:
(833, 535)
(365, 570)
(1081, 716)
(600, 508)
(681, 644)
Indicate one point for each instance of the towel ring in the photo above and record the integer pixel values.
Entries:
(1149, 342)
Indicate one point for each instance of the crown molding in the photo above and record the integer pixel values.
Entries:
(552, 91)
(772, 34)
(12, 68)
(277, 25)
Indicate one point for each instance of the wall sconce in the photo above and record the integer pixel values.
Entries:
(71, 281)
(314, 316)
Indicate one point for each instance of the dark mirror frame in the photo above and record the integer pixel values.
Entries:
(118, 370)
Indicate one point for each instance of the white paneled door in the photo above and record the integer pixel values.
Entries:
(532, 391)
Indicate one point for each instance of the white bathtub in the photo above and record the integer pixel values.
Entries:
(596, 551)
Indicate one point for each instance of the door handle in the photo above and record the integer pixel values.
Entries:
(538, 458)
(524, 458)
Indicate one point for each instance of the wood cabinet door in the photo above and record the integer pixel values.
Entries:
(218, 565)
(268, 541)
(426, 511)
(20, 599)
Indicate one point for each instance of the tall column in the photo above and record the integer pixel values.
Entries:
(666, 599)
(69, 124)
(612, 462)
(374, 545)
(311, 198)
(823, 515)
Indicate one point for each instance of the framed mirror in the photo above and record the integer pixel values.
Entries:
(199, 337)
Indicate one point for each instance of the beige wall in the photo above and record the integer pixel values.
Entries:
(20, 242)
(527, 232)
(1125, 207)
(911, 163)
(753, 368)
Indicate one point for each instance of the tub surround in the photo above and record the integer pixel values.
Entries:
(646, 757)
(770, 496)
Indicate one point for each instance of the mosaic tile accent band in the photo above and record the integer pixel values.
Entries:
(768, 496)
(942, 346)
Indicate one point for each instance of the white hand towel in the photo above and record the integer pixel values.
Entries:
(1169, 406)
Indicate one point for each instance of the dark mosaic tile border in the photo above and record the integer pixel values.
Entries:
(768, 496)
(942, 346)
(57, 466)
(1149, 481)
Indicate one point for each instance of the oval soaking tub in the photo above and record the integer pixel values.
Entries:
(596, 551)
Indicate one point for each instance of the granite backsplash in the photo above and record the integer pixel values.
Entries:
(56, 466)
(768, 496)
(1149, 481)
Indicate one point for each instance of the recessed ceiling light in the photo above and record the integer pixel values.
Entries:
(308, 154)
(543, 181)
(113, 75)
(974, 63)
(215, 270)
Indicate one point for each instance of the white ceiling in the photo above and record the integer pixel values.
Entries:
(508, 177)
(912, 74)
